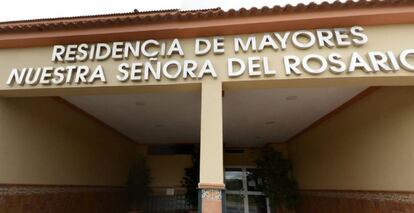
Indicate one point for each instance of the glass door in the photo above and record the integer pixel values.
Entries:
(244, 191)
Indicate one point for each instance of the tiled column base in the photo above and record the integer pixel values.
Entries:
(211, 201)
(211, 198)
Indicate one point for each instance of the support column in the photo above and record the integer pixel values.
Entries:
(211, 148)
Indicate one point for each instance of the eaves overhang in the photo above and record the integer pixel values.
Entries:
(208, 22)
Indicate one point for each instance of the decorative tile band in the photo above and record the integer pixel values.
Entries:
(211, 194)
(364, 195)
(31, 190)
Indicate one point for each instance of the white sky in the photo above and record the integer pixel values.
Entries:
(33, 9)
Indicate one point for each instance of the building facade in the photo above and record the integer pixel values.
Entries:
(330, 86)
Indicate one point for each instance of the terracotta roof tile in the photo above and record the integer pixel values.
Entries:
(178, 15)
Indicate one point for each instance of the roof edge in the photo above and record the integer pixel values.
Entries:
(210, 22)
(135, 12)
(159, 16)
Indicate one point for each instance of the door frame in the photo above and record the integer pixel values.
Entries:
(245, 192)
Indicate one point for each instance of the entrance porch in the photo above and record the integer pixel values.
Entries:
(168, 128)
(338, 139)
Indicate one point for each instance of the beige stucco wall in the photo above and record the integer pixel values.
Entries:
(168, 170)
(250, 155)
(246, 158)
(368, 146)
(44, 141)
